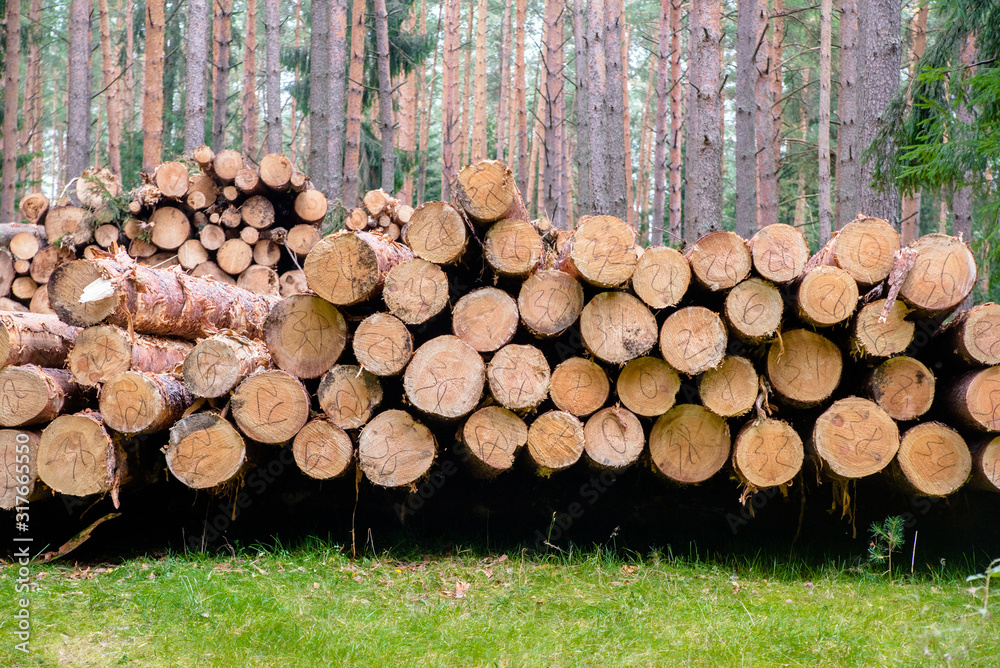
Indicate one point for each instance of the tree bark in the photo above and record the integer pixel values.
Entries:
(223, 37)
(352, 142)
(616, 195)
(11, 87)
(704, 140)
(581, 97)
(660, 134)
(272, 38)
(320, 137)
(910, 224)
(195, 101)
(676, 114)
(110, 71)
(503, 99)
(747, 38)
(33, 132)
(386, 125)
(479, 148)
(767, 175)
(848, 142)
(553, 202)
(826, 32)
(465, 115)
(337, 95)
(961, 201)
(449, 102)
(521, 99)
(78, 112)
(250, 106)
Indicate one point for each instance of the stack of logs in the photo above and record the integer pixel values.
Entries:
(484, 332)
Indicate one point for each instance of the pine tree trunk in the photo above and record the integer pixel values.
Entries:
(337, 94)
(553, 202)
(961, 201)
(352, 145)
(581, 98)
(223, 37)
(777, 96)
(704, 138)
(910, 224)
(449, 102)
(826, 33)
(676, 115)
(250, 119)
(521, 99)
(479, 148)
(619, 183)
(627, 124)
(386, 125)
(33, 100)
(767, 176)
(272, 39)
(128, 93)
(78, 112)
(848, 116)
(319, 95)
(465, 115)
(801, 204)
(660, 137)
(427, 90)
(747, 36)
(11, 87)
(503, 100)
(195, 101)
(406, 137)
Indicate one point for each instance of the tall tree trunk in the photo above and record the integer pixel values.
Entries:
(961, 201)
(503, 101)
(663, 57)
(641, 203)
(428, 103)
(580, 104)
(479, 103)
(11, 86)
(849, 147)
(748, 27)
(128, 92)
(355, 91)
(465, 105)
(406, 136)
(272, 39)
(449, 100)
(537, 139)
(337, 50)
(801, 205)
(676, 115)
(78, 113)
(386, 125)
(521, 97)
(623, 31)
(910, 225)
(777, 97)
(552, 200)
(614, 20)
(32, 135)
(319, 96)
(825, 41)
(195, 97)
(223, 36)
(767, 173)
(250, 114)
(704, 143)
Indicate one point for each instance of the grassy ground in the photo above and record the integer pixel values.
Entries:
(315, 607)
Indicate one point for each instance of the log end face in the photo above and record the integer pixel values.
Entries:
(342, 269)
(768, 453)
(866, 249)
(855, 438)
(662, 277)
(100, 353)
(271, 406)
(485, 190)
(349, 395)
(693, 340)
(883, 339)
(827, 296)
(66, 287)
(131, 403)
(323, 450)
(556, 441)
(436, 233)
(494, 436)
(730, 389)
(689, 443)
(445, 378)
(395, 450)
(614, 438)
(519, 377)
(720, 260)
(603, 251)
(76, 456)
(415, 291)
(549, 302)
(24, 395)
(903, 387)
(579, 386)
(980, 335)
(485, 319)
(943, 274)
(18, 458)
(779, 252)
(211, 369)
(617, 327)
(753, 309)
(982, 399)
(205, 451)
(648, 386)
(804, 367)
(934, 459)
(382, 344)
(513, 247)
(305, 335)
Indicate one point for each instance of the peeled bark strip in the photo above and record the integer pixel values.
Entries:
(19, 459)
(349, 395)
(485, 319)
(219, 363)
(882, 339)
(487, 192)
(662, 276)
(720, 260)
(104, 351)
(689, 443)
(311, 206)
(350, 267)
(445, 377)
(768, 453)
(395, 450)
(34, 338)
(134, 402)
(975, 335)
(513, 248)
(549, 302)
(933, 460)
(804, 368)
(556, 441)
(648, 386)
(155, 301)
(779, 252)
(76, 456)
(602, 251)
(865, 248)
(172, 179)
(729, 389)
(382, 344)
(519, 377)
(271, 406)
(436, 233)
(322, 450)
(31, 394)
(205, 451)
(827, 296)
(903, 387)
(616, 327)
(975, 399)
(305, 335)
(753, 310)
(943, 275)
(986, 465)
(415, 291)
(579, 386)
(693, 340)
(855, 438)
(613, 438)
(494, 436)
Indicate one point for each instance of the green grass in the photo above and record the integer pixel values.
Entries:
(315, 607)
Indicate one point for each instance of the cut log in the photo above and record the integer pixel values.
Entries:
(648, 386)
(10, 230)
(231, 194)
(617, 327)
(488, 192)
(203, 185)
(975, 399)
(301, 239)
(689, 443)
(167, 304)
(827, 296)
(260, 280)
(205, 451)
(865, 248)
(210, 270)
(68, 226)
(943, 275)
(730, 389)
(21, 267)
(436, 233)
(720, 260)
(486, 319)
(12, 306)
(134, 402)
(226, 164)
(76, 456)
(549, 302)
(33, 338)
(753, 310)
(171, 227)
(903, 387)
(104, 351)
(767, 453)
(382, 344)
(395, 450)
(322, 450)
(203, 155)
(19, 462)
(248, 181)
(298, 182)
(779, 252)
(293, 283)
(140, 249)
(579, 386)
(231, 218)
(933, 460)
(234, 256)
(493, 437)
(219, 363)
(271, 406)
(445, 378)
(172, 180)
(192, 253)
(276, 171)
(974, 335)
(349, 395)
(267, 254)
(105, 235)
(212, 237)
(379, 202)
(33, 207)
(196, 200)
(855, 438)
(40, 302)
(23, 287)
(804, 368)
(311, 206)
(305, 335)
(31, 394)
(513, 248)
(662, 276)
(519, 377)
(357, 220)
(24, 246)
(613, 438)
(7, 271)
(350, 267)
(882, 339)
(602, 251)
(258, 212)
(693, 340)
(47, 260)
(986, 465)
(556, 441)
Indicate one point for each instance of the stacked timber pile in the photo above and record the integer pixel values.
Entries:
(469, 328)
